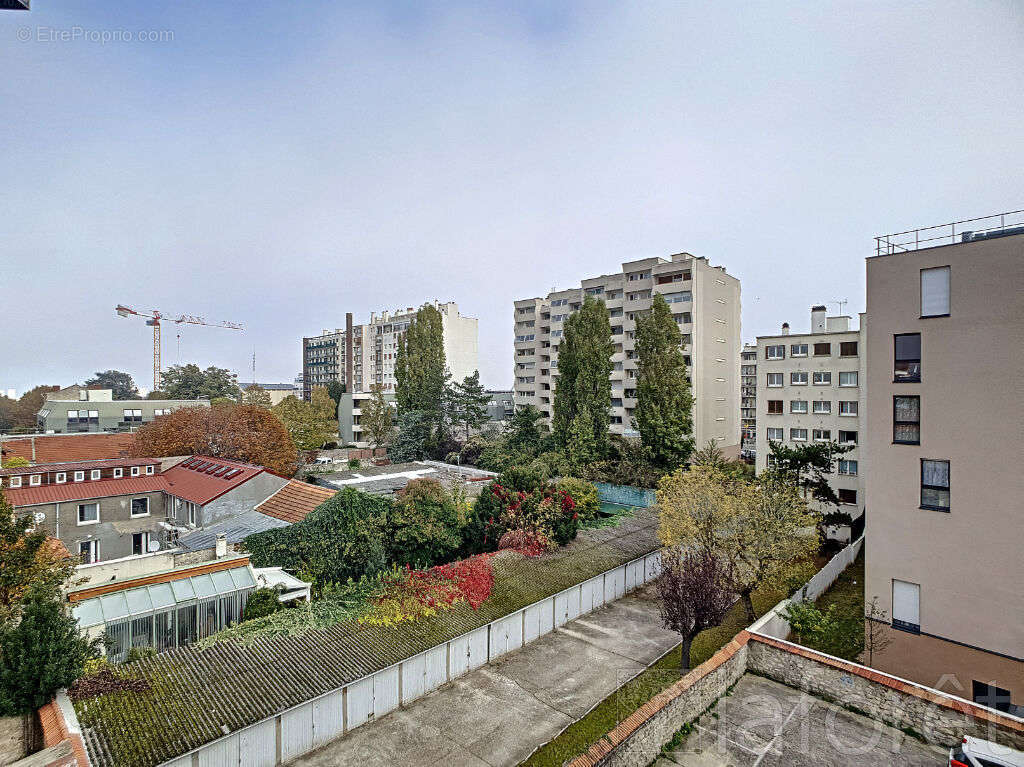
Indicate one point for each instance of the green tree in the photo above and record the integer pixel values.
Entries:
(122, 384)
(808, 466)
(420, 369)
(376, 420)
(190, 382)
(581, 446)
(26, 560)
(524, 430)
(584, 370)
(413, 438)
(425, 525)
(325, 410)
(157, 395)
(261, 602)
(335, 389)
(470, 402)
(255, 394)
(664, 405)
(307, 430)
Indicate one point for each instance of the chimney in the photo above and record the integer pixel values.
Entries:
(818, 319)
(785, 328)
(221, 549)
(348, 352)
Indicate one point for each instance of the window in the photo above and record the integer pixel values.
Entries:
(136, 471)
(775, 352)
(83, 395)
(907, 364)
(88, 513)
(118, 472)
(774, 379)
(906, 420)
(150, 470)
(15, 482)
(848, 379)
(798, 350)
(847, 348)
(934, 484)
(132, 416)
(847, 496)
(847, 437)
(35, 480)
(848, 407)
(935, 292)
(89, 551)
(848, 467)
(822, 378)
(822, 435)
(906, 606)
(798, 435)
(774, 407)
(991, 696)
(822, 407)
(79, 476)
(61, 477)
(798, 379)
(823, 349)
(775, 435)
(798, 406)
(140, 543)
(140, 507)
(94, 474)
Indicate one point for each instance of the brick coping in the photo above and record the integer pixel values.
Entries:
(56, 731)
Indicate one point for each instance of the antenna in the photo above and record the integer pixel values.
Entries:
(842, 302)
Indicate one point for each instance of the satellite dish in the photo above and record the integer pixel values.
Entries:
(154, 545)
(39, 517)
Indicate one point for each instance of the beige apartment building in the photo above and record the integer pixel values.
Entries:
(945, 536)
(363, 355)
(809, 390)
(705, 301)
(748, 401)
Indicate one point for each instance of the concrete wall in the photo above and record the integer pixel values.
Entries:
(240, 499)
(13, 739)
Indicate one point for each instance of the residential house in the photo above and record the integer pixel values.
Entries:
(87, 409)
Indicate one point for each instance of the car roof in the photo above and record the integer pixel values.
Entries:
(988, 750)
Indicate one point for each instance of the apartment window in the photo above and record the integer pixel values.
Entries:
(15, 482)
(61, 477)
(935, 292)
(848, 407)
(822, 407)
(775, 435)
(775, 352)
(150, 470)
(906, 606)
(133, 416)
(118, 472)
(798, 435)
(774, 407)
(823, 349)
(79, 476)
(136, 471)
(847, 467)
(846, 495)
(934, 484)
(140, 507)
(848, 349)
(140, 543)
(847, 437)
(88, 513)
(94, 474)
(83, 396)
(774, 380)
(89, 552)
(822, 378)
(848, 378)
(990, 695)
(798, 379)
(798, 350)
(822, 435)
(906, 420)
(798, 406)
(35, 480)
(907, 363)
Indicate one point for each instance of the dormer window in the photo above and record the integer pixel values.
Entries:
(118, 472)
(61, 477)
(79, 476)
(95, 474)
(15, 482)
(150, 470)
(35, 480)
(136, 470)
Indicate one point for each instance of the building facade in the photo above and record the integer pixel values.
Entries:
(705, 302)
(82, 409)
(350, 413)
(809, 390)
(363, 355)
(748, 402)
(945, 539)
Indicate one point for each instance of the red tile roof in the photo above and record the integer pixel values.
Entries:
(294, 501)
(52, 448)
(201, 479)
(106, 463)
(80, 491)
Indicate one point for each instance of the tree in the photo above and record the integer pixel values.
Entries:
(257, 395)
(808, 466)
(306, 427)
(20, 416)
(664, 404)
(189, 382)
(524, 431)
(695, 595)
(425, 525)
(876, 630)
(581, 446)
(420, 370)
(16, 462)
(414, 432)
(261, 603)
(335, 389)
(157, 394)
(325, 410)
(584, 370)
(247, 433)
(833, 631)
(711, 456)
(376, 420)
(122, 384)
(10, 413)
(469, 402)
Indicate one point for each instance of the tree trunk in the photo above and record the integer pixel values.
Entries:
(684, 656)
(748, 606)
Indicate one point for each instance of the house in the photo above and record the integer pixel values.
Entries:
(203, 491)
(85, 409)
(60, 448)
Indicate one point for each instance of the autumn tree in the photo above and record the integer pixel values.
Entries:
(190, 382)
(469, 402)
(377, 421)
(246, 433)
(20, 415)
(695, 595)
(122, 384)
(255, 394)
(325, 410)
(307, 428)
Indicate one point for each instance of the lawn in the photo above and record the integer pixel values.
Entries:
(847, 593)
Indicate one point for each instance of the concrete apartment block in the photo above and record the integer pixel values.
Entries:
(945, 541)
(705, 301)
(809, 389)
(748, 401)
(363, 355)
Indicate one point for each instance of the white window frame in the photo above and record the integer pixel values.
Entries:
(35, 480)
(850, 407)
(61, 477)
(146, 537)
(118, 472)
(821, 407)
(822, 378)
(935, 290)
(794, 437)
(793, 402)
(839, 437)
(95, 474)
(94, 550)
(794, 381)
(775, 347)
(14, 482)
(776, 429)
(79, 476)
(856, 378)
(906, 606)
(150, 470)
(775, 377)
(78, 515)
(822, 435)
(135, 471)
(131, 507)
(848, 462)
(796, 353)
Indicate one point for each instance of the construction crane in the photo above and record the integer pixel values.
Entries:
(154, 317)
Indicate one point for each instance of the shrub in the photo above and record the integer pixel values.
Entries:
(583, 494)
(831, 631)
(260, 603)
(425, 524)
(354, 463)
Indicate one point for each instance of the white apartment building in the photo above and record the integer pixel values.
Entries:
(748, 401)
(810, 389)
(705, 302)
(363, 355)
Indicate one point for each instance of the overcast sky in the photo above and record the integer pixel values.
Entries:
(281, 163)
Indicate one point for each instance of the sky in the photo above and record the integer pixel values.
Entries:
(281, 163)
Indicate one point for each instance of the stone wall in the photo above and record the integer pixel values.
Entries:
(13, 738)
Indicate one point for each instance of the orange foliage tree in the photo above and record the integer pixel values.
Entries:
(246, 433)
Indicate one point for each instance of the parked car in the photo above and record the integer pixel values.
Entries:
(975, 752)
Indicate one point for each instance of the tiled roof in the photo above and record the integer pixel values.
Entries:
(80, 491)
(201, 479)
(53, 448)
(294, 501)
(106, 463)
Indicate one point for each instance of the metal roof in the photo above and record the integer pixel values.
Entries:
(201, 479)
(235, 529)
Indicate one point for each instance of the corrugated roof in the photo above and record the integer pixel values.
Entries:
(53, 448)
(105, 463)
(235, 529)
(199, 694)
(80, 491)
(201, 479)
(294, 501)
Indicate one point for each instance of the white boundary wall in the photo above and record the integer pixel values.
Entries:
(293, 732)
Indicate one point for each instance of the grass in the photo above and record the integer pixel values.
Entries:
(847, 593)
(611, 515)
(582, 734)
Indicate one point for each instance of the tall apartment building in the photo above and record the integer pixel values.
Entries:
(748, 401)
(363, 355)
(945, 540)
(809, 390)
(705, 302)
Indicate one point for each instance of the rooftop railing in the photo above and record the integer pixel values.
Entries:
(968, 230)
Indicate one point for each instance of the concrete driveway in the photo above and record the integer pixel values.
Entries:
(497, 715)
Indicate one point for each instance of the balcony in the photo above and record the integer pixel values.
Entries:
(967, 230)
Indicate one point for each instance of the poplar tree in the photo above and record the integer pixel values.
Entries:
(420, 370)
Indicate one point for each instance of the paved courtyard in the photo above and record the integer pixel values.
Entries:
(497, 715)
(764, 724)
